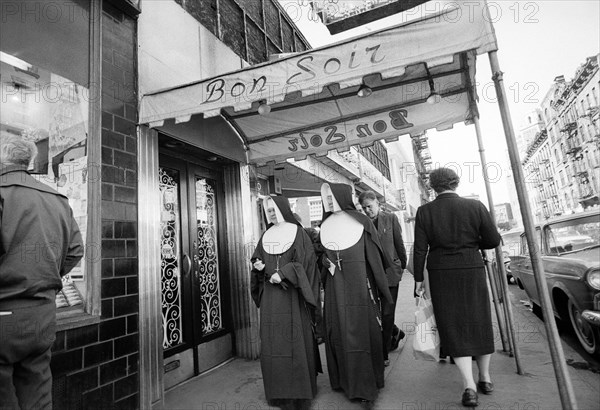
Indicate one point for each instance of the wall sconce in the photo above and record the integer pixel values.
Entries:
(364, 91)
(434, 97)
(264, 108)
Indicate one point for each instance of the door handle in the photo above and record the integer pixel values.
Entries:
(186, 264)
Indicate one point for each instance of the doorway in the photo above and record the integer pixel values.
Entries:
(194, 303)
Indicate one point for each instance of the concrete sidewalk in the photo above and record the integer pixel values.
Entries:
(412, 384)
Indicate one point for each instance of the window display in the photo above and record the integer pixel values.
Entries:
(52, 111)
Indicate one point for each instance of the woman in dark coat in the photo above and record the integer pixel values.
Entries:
(284, 285)
(454, 230)
(353, 279)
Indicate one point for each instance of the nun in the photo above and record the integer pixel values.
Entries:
(355, 283)
(284, 286)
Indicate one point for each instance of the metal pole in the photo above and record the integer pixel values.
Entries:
(497, 302)
(565, 388)
(499, 257)
(506, 301)
(506, 343)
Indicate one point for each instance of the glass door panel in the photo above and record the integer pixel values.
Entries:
(171, 286)
(206, 255)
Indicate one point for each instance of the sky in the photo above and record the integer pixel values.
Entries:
(537, 41)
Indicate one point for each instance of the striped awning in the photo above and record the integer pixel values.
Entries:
(314, 99)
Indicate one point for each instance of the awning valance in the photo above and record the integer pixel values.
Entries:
(313, 94)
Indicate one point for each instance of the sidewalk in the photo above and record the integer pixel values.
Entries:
(413, 384)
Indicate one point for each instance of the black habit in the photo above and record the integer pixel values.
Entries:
(352, 311)
(289, 355)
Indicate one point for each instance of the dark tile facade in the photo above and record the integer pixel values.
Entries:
(253, 29)
(96, 367)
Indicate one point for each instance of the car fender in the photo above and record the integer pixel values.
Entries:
(562, 287)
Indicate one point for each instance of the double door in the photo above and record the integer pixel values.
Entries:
(193, 273)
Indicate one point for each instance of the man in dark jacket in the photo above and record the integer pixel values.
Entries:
(39, 243)
(390, 235)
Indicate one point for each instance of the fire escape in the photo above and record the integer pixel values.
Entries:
(573, 149)
(423, 165)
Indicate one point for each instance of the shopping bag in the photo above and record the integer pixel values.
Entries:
(426, 343)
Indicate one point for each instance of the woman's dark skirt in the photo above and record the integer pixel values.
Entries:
(461, 304)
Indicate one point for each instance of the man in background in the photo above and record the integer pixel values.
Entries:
(316, 241)
(390, 235)
(39, 243)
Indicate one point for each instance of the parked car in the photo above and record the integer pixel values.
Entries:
(569, 246)
(511, 244)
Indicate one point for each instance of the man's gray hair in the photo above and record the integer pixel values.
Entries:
(367, 195)
(14, 150)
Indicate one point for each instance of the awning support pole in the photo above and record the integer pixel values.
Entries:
(563, 380)
(500, 312)
(499, 257)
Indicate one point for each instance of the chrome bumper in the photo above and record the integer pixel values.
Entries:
(591, 316)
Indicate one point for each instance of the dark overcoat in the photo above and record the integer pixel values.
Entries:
(390, 236)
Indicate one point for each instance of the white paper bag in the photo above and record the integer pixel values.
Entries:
(426, 343)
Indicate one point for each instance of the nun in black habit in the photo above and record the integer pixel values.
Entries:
(354, 282)
(284, 286)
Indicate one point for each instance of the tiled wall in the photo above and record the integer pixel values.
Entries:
(253, 29)
(97, 366)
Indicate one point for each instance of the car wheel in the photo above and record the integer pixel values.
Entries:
(586, 333)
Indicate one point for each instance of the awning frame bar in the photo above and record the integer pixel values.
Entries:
(352, 117)
(251, 112)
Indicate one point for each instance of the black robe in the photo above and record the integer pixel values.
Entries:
(352, 312)
(289, 356)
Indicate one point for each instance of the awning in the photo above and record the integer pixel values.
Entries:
(313, 94)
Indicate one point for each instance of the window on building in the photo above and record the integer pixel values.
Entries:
(377, 155)
(316, 211)
(561, 176)
(47, 99)
(596, 156)
(590, 130)
(595, 97)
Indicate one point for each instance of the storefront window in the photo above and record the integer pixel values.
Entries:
(51, 111)
(45, 98)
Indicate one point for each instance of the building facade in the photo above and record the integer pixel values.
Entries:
(170, 213)
(532, 124)
(69, 84)
(504, 216)
(562, 162)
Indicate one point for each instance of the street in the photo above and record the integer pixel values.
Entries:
(570, 341)
(412, 384)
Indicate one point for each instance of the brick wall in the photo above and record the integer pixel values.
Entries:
(253, 29)
(97, 366)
